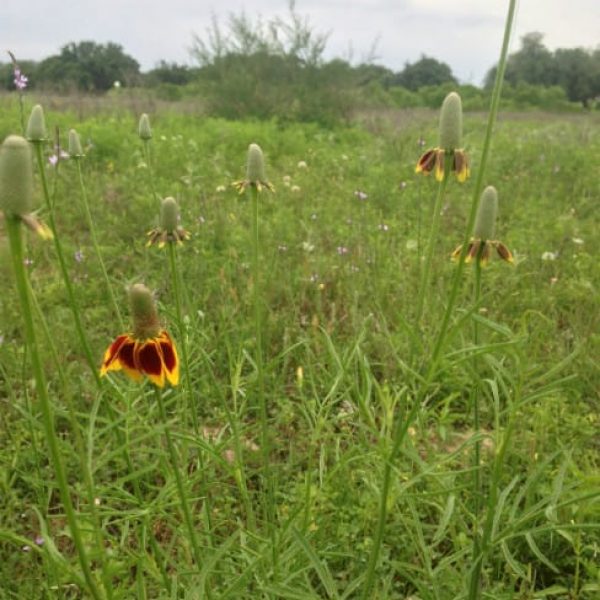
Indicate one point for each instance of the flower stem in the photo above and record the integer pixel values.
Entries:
(63, 266)
(495, 102)
(14, 233)
(90, 224)
(183, 499)
(265, 446)
(433, 235)
(189, 389)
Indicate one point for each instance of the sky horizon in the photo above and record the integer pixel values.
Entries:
(465, 34)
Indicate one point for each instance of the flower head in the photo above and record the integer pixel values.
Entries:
(19, 80)
(255, 172)
(148, 351)
(16, 184)
(144, 129)
(483, 239)
(448, 156)
(169, 229)
(36, 126)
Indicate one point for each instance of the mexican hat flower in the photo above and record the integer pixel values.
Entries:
(448, 156)
(16, 184)
(149, 350)
(255, 172)
(483, 236)
(169, 229)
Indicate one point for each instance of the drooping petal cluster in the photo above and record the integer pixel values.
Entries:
(147, 352)
(155, 358)
(448, 156)
(169, 229)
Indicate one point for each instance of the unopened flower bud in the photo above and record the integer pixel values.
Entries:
(16, 176)
(169, 215)
(485, 223)
(36, 126)
(255, 168)
(144, 129)
(143, 310)
(75, 149)
(451, 122)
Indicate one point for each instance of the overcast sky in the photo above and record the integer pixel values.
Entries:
(464, 33)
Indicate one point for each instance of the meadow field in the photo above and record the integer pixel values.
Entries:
(322, 441)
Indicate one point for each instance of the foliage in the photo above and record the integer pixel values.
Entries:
(424, 72)
(344, 318)
(575, 70)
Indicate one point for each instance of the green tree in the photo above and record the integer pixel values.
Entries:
(425, 72)
(578, 72)
(89, 67)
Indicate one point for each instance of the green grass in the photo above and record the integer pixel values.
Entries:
(340, 280)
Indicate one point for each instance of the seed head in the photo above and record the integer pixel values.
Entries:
(255, 168)
(143, 310)
(16, 176)
(169, 215)
(36, 126)
(75, 149)
(485, 223)
(451, 122)
(144, 129)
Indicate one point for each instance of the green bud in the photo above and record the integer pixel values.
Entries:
(75, 149)
(255, 169)
(169, 215)
(36, 126)
(144, 129)
(485, 224)
(451, 122)
(143, 310)
(16, 176)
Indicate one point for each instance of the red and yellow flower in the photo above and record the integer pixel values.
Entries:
(255, 172)
(147, 352)
(435, 159)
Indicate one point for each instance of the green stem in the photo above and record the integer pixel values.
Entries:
(63, 266)
(400, 429)
(92, 229)
(147, 158)
(14, 233)
(189, 389)
(433, 235)
(183, 499)
(495, 102)
(262, 402)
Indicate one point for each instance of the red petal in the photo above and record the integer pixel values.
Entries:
(149, 358)
(112, 351)
(126, 354)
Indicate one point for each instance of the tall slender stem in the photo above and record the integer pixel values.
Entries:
(269, 502)
(183, 499)
(13, 226)
(189, 389)
(63, 265)
(495, 102)
(92, 229)
(433, 235)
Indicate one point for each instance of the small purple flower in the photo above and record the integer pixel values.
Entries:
(78, 256)
(383, 227)
(342, 250)
(59, 154)
(20, 79)
(53, 160)
(361, 195)
(39, 540)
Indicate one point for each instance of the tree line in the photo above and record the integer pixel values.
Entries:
(250, 68)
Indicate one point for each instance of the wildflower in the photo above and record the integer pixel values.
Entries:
(360, 195)
(59, 154)
(383, 227)
(75, 149)
(483, 239)
(302, 164)
(450, 142)
(19, 80)
(220, 189)
(295, 188)
(78, 256)
(549, 255)
(148, 351)
(255, 172)
(342, 250)
(169, 229)
(16, 184)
